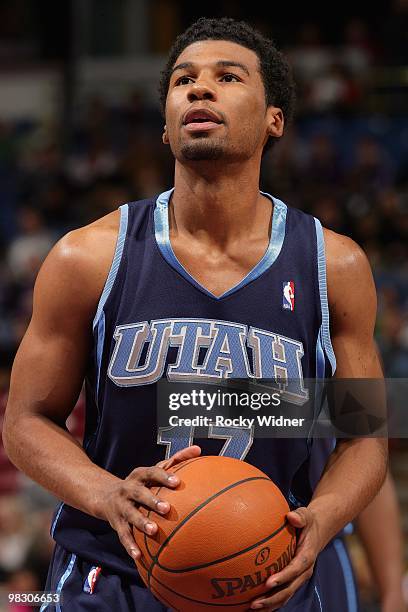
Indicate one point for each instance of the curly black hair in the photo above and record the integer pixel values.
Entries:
(275, 71)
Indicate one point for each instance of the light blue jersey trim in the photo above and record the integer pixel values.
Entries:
(321, 264)
(120, 243)
(320, 359)
(65, 577)
(56, 519)
(318, 597)
(61, 583)
(320, 375)
(99, 320)
(348, 575)
(348, 529)
(99, 350)
(161, 222)
(44, 607)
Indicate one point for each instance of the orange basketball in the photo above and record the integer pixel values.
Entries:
(225, 533)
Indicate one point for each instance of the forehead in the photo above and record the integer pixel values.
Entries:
(206, 52)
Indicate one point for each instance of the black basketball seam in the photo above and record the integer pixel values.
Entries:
(176, 469)
(197, 509)
(206, 603)
(142, 563)
(205, 503)
(231, 556)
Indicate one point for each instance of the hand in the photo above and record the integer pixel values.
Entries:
(123, 499)
(299, 569)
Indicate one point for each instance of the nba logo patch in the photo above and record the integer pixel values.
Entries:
(288, 296)
(90, 582)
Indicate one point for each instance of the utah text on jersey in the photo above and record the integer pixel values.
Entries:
(208, 351)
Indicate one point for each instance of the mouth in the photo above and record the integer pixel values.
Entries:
(201, 120)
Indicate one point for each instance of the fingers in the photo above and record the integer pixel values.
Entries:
(302, 562)
(143, 496)
(185, 453)
(127, 540)
(132, 516)
(125, 498)
(153, 476)
(133, 493)
(278, 600)
(280, 597)
(286, 582)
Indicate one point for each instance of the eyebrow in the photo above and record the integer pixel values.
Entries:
(219, 64)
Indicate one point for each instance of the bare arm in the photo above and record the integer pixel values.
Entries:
(357, 466)
(48, 373)
(47, 376)
(379, 527)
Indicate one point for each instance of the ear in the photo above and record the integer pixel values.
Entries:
(165, 137)
(275, 121)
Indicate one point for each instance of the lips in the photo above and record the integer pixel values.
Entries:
(201, 116)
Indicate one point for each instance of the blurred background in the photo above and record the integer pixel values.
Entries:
(80, 133)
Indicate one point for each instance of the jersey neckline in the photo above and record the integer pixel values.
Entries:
(162, 235)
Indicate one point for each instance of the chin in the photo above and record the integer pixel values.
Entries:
(202, 150)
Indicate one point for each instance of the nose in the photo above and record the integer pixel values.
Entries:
(200, 90)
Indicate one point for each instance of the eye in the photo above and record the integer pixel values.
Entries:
(230, 78)
(184, 80)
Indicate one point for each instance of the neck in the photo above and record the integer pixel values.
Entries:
(219, 204)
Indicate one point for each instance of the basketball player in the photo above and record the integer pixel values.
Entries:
(189, 285)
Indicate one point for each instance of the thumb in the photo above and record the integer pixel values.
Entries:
(298, 518)
(186, 453)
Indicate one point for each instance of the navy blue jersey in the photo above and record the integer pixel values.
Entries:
(155, 320)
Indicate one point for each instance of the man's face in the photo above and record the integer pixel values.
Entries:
(215, 106)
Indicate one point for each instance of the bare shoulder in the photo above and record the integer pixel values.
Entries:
(79, 263)
(93, 243)
(345, 260)
(343, 255)
(350, 283)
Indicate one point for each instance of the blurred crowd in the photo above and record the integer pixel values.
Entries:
(341, 160)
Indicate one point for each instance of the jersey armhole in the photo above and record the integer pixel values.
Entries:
(324, 305)
(120, 243)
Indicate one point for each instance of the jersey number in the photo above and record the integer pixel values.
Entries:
(238, 440)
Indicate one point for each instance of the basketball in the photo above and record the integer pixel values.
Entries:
(225, 534)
